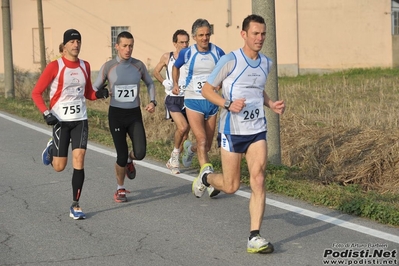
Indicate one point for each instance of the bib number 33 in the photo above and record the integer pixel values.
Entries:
(198, 83)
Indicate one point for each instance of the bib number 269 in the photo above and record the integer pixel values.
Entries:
(251, 114)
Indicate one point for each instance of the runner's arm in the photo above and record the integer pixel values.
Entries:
(42, 84)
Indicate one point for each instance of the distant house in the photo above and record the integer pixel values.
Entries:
(313, 36)
(329, 35)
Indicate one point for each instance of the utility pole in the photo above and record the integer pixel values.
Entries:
(9, 91)
(266, 9)
(41, 35)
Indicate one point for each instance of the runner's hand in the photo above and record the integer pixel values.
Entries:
(51, 120)
(168, 84)
(102, 92)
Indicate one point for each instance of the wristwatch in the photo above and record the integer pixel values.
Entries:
(154, 102)
(227, 104)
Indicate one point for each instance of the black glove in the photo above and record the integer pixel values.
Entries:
(51, 120)
(102, 92)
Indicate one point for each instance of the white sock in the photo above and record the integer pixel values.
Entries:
(120, 187)
(176, 150)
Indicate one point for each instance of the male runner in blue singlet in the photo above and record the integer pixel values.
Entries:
(196, 63)
(242, 124)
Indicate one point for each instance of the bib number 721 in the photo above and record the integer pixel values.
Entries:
(125, 93)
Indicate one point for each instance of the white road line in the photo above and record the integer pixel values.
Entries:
(275, 203)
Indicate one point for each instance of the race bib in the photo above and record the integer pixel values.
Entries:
(252, 111)
(71, 110)
(198, 82)
(182, 88)
(125, 93)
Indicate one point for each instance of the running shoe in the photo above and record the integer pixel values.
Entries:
(173, 163)
(130, 170)
(46, 156)
(198, 188)
(174, 159)
(76, 213)
(173, 170)
(187, 157)
(212, 191)
(259, 245)
(120, 195)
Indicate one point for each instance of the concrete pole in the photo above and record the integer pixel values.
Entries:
(41, 35)
(266, 9)
(7, 45)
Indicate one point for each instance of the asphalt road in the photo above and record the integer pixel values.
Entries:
(162, 223)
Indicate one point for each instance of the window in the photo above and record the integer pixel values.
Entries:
(395, 22)
(114, 34)
(395, 17)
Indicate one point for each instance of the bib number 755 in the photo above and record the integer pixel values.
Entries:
(71, 109)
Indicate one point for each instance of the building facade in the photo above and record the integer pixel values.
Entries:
(312, 36)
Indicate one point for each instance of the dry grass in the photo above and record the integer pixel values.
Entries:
(343, 128)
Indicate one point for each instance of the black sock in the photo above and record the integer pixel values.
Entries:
(75, 203)
(253, 233)
(78, 178)
(205, 180)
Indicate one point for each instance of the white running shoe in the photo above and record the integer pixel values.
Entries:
(173, 170)
(174, 159)
(173, 163)
(259, 245)
(212, 191)
(198, 188)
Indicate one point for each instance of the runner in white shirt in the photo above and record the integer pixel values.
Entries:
(242, 129)
(70, 85)
(197, 62)
(174, 103)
